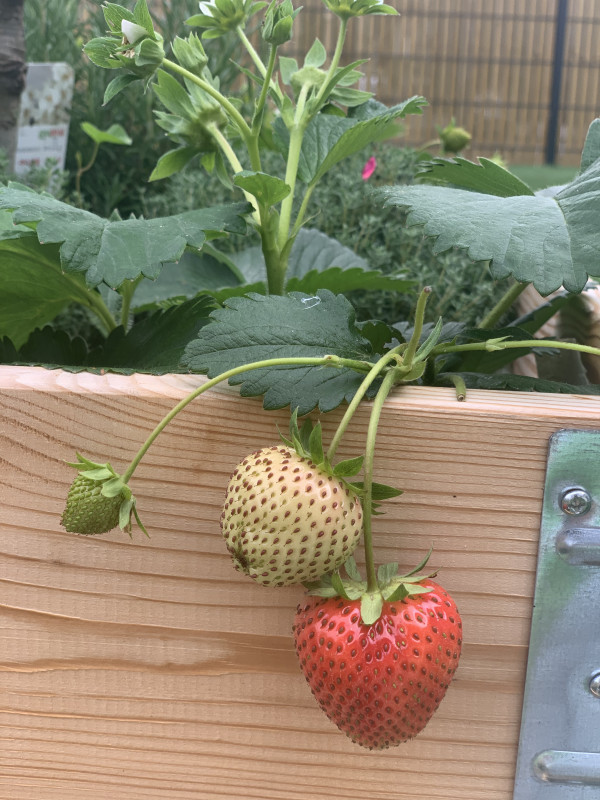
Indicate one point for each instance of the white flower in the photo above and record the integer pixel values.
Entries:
(132, 32)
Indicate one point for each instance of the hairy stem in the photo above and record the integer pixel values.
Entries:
(334, 64)
(386, 386)
(325, 361)
(371, 376)
(512, 345)
(231, 110)
(492, 318)
(418, 327)
(230, 155)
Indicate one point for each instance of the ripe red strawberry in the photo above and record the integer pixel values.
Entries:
(286, 520)
(379, 683)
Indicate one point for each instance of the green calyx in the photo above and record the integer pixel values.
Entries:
(391, 587)
(99, 500)
(345, 9)
(307, 441)
(218, 17)
(279, 20)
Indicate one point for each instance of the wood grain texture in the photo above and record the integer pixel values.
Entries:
(146, 669)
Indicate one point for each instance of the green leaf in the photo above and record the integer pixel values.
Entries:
(519, 383)
(371, 605)
(46, 347)
(486, 177)
(171, 162)
(328, 140)
(316, 56)
(338, 585)
(591, 148)
(380, 491)
(267, 189)
(548, 241)
(116, 251)
(287, 68)
(261, 327)
(193, 274)
(352, 569)
(116, 134)
(315, 445)
(155, 344)
(349, 467)
(117, 85)
(431, 340)
(33, 288)
(142, 17)
(386, 572)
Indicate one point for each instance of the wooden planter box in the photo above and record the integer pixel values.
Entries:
(149, 669)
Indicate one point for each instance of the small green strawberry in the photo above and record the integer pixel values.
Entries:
(98, 500)
(380, 682)
(289, 517)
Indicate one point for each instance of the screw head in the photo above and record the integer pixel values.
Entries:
(576, 501)
(594, 684)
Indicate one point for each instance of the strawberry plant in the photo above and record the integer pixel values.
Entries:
(275, 321)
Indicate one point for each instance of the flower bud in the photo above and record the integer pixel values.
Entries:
(279, 19)
(454, 139)
(132, 32)
(358, 8)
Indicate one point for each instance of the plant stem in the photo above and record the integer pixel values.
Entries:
(386, 386)
(325, 361)
(418, 327)
(258, 62)
(95, 302)
(372, 375)
(302, 210)
(260, 105)
(460, 386)
(235, 115)
(333, 66)
(491, 319)
(230, 155)
(291, 172)
(127, 290)
(512, 345)
(81, 170)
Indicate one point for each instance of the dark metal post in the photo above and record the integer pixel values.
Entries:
(557, 72)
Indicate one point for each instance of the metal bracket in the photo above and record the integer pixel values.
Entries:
(559, 747)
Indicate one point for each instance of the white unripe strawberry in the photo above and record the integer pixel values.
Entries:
(287, 521)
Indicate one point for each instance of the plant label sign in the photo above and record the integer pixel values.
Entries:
(44, 116)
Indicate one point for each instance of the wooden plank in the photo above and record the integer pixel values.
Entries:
(151, 669)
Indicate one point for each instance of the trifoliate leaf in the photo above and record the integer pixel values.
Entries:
(330, 139)
(550, 241)
(116, 134)
(116, 251)
(33, 288)
(267, 189)
(486, 177)
(261, 327)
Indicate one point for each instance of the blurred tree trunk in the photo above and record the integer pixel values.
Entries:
(12, 73)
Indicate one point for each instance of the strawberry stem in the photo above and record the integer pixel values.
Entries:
(325, 361)
(384, 390)
(372, 375)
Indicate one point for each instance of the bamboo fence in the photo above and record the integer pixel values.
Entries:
(488, 65)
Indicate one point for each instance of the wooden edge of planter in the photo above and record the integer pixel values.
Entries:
(151, 667)
(480, 401)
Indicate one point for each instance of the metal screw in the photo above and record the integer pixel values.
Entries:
(594, 685)
(576, 501)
